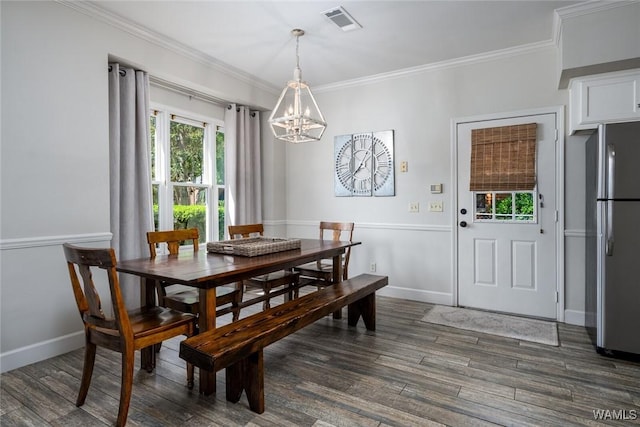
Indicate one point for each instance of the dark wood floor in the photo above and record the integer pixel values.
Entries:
(407, 373)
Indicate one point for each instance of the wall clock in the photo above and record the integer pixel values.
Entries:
(364, 164)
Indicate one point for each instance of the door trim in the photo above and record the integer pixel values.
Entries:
(560, 199)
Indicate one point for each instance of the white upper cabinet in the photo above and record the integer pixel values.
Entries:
(604, 98)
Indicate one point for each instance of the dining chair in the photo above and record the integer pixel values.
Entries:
(124, 332)
(184, 298)
(320, 272)
(267, 282)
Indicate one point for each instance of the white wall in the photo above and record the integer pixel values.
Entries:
(415, 250)
(54, 158)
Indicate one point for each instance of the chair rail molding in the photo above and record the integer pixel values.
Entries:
(380, 226)
(41, 241)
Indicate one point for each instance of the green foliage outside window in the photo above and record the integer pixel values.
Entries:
(524, 206)
(190, 216)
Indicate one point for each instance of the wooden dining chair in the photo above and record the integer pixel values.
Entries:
(266, 282)
(183, 298)
(126, 331)
(320, 272)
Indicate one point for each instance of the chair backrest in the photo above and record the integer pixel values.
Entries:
(172, 238)
(85, 262)
(246, 230)
(339, 231)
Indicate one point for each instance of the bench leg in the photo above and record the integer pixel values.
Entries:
(365, 307)
(247, 375)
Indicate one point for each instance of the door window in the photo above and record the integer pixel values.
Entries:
(505, 206)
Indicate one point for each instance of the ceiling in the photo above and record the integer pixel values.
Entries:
(254, 37)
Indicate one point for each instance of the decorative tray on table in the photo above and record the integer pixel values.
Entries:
(253, 246)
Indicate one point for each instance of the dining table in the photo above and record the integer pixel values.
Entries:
(207, 270)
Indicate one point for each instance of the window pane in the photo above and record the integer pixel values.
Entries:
(524, 206)
(154, 189)
(484, 208)
(219, 158)
(504, 206)
(187, 149)
(152, 127)
(221, 227)
(190, 209)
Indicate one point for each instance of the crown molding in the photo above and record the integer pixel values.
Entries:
(581, 9)
(124, 24)
(456, 62)
(589, 7)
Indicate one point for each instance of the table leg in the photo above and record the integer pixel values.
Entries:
(148, 299)
(206, 321)
(336, 277)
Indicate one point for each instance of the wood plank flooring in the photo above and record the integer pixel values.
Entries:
(406, 373)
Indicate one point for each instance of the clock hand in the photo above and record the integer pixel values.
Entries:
(364, 159)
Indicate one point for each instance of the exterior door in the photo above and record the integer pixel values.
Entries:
(507, 239)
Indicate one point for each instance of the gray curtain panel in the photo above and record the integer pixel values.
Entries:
(242, 165)
(129, 170)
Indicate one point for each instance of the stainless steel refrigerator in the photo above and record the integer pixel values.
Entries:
(613, 238)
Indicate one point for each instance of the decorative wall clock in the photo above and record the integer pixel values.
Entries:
(364, 164)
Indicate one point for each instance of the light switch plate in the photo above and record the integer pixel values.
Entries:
(435, 206)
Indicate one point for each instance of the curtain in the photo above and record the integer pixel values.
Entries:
(129, 170)
(503, 158)
(242, 165)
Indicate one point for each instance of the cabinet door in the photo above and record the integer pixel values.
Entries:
(605, 99)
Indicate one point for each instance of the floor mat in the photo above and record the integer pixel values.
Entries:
(539, 331)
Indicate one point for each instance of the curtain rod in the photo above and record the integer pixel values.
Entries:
(183, 90)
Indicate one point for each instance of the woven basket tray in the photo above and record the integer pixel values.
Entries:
(253, 246)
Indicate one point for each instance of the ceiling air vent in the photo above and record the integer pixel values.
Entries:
(342, 19)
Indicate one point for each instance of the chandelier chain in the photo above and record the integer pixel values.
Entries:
(297, 51)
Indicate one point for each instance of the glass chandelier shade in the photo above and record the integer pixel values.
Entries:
(296, 116)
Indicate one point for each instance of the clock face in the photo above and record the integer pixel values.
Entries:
(364, 164)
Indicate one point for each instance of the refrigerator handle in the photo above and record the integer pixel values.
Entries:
(611, 167)
(609, 228)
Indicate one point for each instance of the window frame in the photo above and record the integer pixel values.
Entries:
(494, 216)
(164, 115)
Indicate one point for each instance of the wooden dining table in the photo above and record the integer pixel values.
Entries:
(206, 271)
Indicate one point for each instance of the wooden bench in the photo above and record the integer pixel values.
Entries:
(238, 346)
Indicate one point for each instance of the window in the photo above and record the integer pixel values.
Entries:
(502, 206)
(503, 173)
(187, 173)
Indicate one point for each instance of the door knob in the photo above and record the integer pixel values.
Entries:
(463, 224)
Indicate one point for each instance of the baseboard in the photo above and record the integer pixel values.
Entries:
(575, 317)
(421, 295)
(40, 351)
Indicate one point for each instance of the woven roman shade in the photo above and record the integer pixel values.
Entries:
(503, 158)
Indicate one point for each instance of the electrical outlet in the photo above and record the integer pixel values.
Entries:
(414, 207)
(435, 206)
(372, 267)
(404, 166)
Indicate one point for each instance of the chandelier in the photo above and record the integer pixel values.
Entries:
(296, 117)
